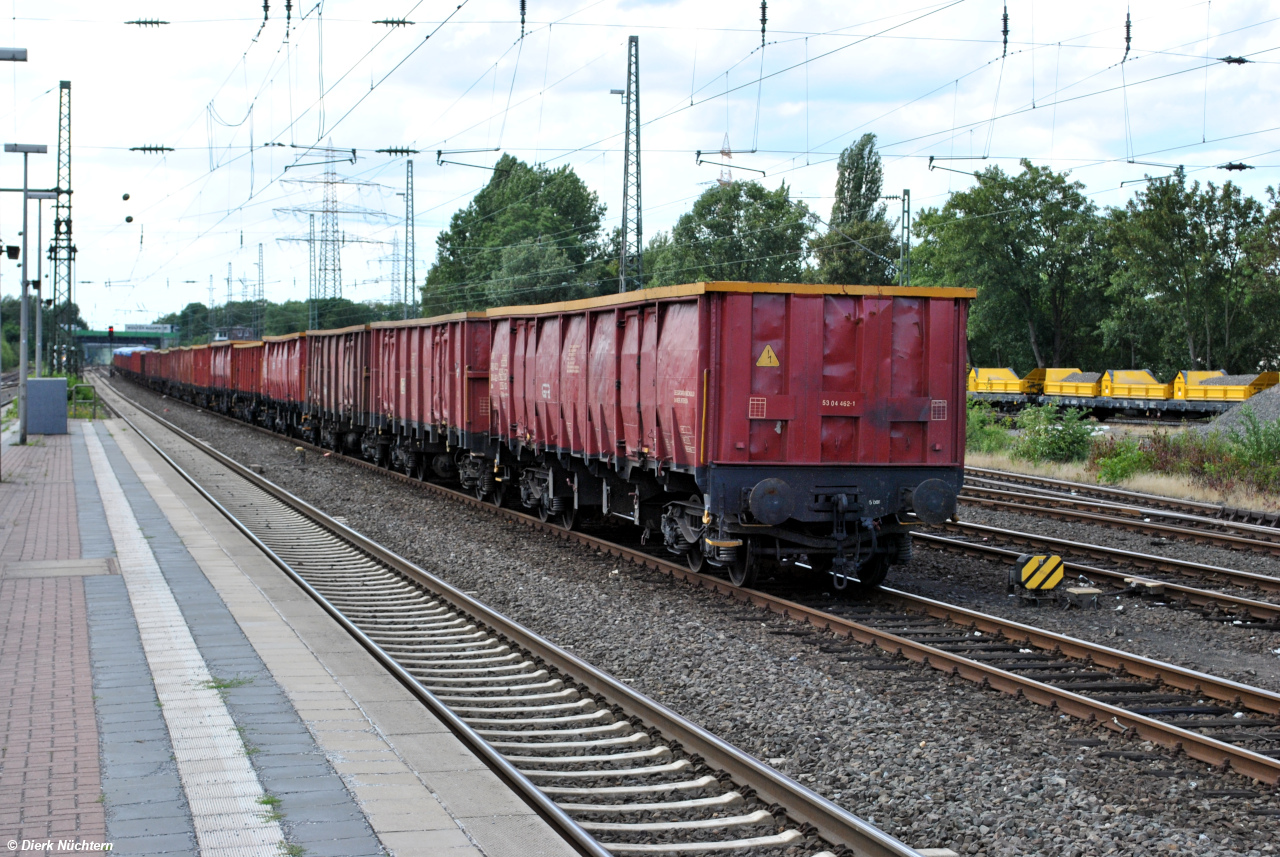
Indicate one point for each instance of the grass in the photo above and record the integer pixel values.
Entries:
(1164, 484)
(291, 850)
(272, 813)
(222, 685)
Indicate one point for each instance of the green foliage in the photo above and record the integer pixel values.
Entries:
(1257, 443)
(1118, 459)
(985, 430)
(1247, 457)
(525, 217)
(1027, 243)
(1185, 289)
(11, 327)
(1047, 434)
(738, 231)
(860, 247)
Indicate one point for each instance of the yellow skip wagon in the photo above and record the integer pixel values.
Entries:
(1133, 384)
(1218, 386)
(994, 381)
(1072, 382)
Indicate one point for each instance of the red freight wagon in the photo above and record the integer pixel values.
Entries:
(808, 423)
(200, 366)
(284, 382)
(338, 384)
(284, 368)
(246, 369)
(156, 366)
(220, 366)
(181, 367)
(429, 383)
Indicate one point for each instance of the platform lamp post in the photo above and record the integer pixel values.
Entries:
(13, 55)
(26, 150)
(40, 195)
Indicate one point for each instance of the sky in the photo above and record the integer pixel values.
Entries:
(243, 103)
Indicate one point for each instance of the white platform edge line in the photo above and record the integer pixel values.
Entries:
(181, 683)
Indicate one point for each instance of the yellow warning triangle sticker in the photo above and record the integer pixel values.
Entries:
(767, 357)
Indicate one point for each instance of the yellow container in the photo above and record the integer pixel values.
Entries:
(1192, 378)
(993, 381)
(1071, 382)
(1033, 384)
(1246, 386)
(1133, 384)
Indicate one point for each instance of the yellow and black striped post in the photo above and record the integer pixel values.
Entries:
(1039, 573)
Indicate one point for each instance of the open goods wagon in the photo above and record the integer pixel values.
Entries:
(747, 423)
(429, 382)
(284, 381)
(220, 367)
(336, 403)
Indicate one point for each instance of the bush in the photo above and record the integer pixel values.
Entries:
(1117, 459)
(985, 430)
(1045, 434)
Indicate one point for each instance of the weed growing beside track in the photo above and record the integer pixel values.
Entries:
(1245, 457)
(1237, 463)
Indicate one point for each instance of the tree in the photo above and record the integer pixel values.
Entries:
(1027, 242)
(859, 246)
(1183, 254)
(288, 317)
(736, 231)
(190, 324)
(524, 216)
(1263, 256)
(11, 316)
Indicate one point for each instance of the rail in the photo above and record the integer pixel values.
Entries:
(829, 821)
(1207, 749)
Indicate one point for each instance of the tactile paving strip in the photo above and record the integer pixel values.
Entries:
(215, 771)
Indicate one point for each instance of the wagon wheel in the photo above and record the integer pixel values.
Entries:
(544, 511)
(493, 496)
(693, 558)
(567, 518)
(744, 568)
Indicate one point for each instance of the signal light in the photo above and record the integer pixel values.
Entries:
(13, 251)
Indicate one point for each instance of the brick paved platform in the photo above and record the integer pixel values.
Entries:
(335, 758)
(49, 778)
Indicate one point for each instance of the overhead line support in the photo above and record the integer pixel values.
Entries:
(630, 261)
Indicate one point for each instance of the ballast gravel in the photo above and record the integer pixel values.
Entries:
(1264, 406)
(930, 758)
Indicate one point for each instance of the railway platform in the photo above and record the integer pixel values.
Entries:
(164, 688)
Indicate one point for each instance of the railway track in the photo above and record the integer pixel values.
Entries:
(1119, 556)
(1217, 721)
(612, 770)
(1258, 614)
(1175, 525)
(1152, 502)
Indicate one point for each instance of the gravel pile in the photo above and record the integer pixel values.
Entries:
(1265, 406)
(1082, 377)
(932, 759)
(1228, 380)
